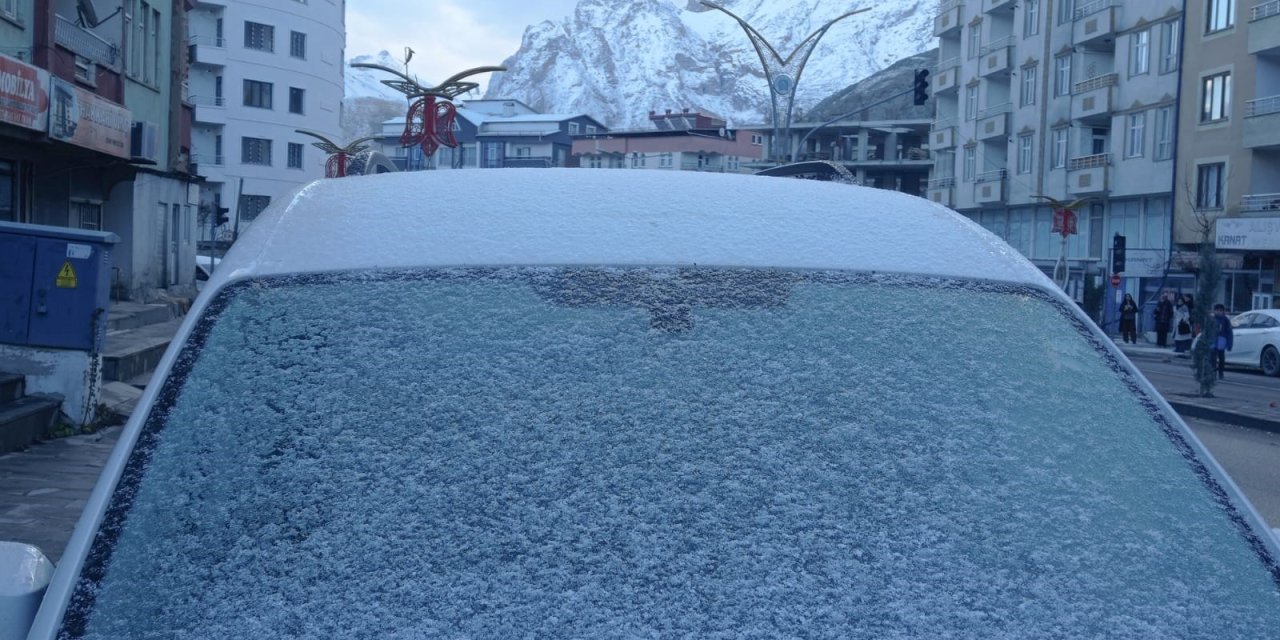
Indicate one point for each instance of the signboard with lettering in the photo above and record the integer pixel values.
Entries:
(1248, 234)
(24, 94)
(84, 119)
(1145, 263)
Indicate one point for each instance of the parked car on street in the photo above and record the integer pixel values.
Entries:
(1256, 341)
(589, 403)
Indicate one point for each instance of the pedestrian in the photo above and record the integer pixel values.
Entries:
(1164, 319)
(1182, 325)
(1222, 343)
(1128, 320)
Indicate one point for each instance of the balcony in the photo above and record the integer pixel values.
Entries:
(210, 110)
(1262, 123)
(218, 4)
(993, 122)
(85, 43)
(989, 187)
(1088, 174)
(997, 57)
(1260, 202)
(941, 191)
(1092, 100)
(207, 50)
(995, 5)
(1264, 28)
(947, 79)
(528, 162)
(1095, 24)
(208, 160)
(948, 20)
(942, 138)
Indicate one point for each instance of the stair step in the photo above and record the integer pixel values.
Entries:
(132, 353)
(12, 386)
(123, 316)
(27, 420)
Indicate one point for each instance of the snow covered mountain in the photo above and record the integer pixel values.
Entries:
(367, 83)
(617, 60)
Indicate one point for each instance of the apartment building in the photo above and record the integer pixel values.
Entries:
(261, 70)
(1229, 146)
(94, 134)
(684, 140)
(1062, 99)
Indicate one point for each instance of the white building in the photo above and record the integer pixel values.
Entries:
(1065, 99)
(260, 70)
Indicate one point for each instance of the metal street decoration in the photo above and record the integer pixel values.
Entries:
(339, 156)
(1064, 223)
(429, 121)
(782, 74)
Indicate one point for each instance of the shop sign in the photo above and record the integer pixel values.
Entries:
(1190, 260)
(24, 94)
(86, 120)
(1248, 234)
(1145, 263)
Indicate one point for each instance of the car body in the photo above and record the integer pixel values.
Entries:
(1256, 340)
(204, 269)
(593, 403)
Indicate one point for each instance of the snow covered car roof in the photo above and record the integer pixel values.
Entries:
(602, 216)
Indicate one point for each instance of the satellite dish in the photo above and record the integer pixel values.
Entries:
(88, 15)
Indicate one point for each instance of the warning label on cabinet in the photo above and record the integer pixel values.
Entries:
(67, 276)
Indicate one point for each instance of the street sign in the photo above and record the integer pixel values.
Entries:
(1115, 279)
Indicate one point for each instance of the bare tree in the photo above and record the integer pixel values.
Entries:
(1208, 272)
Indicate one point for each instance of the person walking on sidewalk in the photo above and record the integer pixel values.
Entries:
(1222, 343)
(1164, 319)
(1128, 320)
(1182, 325)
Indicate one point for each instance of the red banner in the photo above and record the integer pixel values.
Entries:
(24, 94)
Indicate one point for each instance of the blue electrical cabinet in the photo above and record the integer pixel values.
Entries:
(55, 286)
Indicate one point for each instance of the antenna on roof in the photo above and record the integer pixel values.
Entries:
(87, 16)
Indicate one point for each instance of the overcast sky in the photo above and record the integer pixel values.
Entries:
(447, 36)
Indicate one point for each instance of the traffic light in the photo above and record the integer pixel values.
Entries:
(921, 86)
(221, 217)
(1117, 254)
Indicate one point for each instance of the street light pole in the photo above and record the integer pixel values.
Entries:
(783, 75)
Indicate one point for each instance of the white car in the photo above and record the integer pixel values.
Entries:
(590, 403)
(1256, 341)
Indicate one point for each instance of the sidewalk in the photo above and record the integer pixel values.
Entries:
(1231, 403)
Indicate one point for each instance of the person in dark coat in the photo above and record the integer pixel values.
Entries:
(1182, 325)
(1129, 320)
(1221, 344)
(1164, 319)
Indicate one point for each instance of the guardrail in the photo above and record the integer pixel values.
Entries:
(1090, 8)
(1085, 86)
(947, 5)
(995, 110)
(208, 159)
(992, 176)
(954, 61)
(996, 45)
(85, 43)
(1089, 162)
(211, 41)
(1260, 202)
(1262, 106)
(204, 101)
(942, 183)
(1264, 10)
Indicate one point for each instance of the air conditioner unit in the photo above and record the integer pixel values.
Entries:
(143, 143)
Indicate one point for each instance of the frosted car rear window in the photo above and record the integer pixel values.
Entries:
(577, 453)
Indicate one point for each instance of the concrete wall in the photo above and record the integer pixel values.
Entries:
(57, 371)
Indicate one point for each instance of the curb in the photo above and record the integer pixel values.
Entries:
(1222, 415)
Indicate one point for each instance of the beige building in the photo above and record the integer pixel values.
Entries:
(1066, 100)
(1228, 171)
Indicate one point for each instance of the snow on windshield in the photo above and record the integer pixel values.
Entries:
(543, 453)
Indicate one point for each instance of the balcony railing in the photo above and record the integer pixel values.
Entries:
(1089, 162)
(1090, 8)
(210, 41)
(1085, 86)
(1262, 106)
(954, 61)
(995, 110)
(996, 45)
(1264, 10)
(939, 125)
(992, 176)
(1260, 202)
(85, 43)
(947, 5)
(208, 101)
(208, 159)
(942, 183)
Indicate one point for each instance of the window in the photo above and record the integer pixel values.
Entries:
(1024, 153)
(143, 63)
(1135, 135)
(9, 8)
(573, 128)
(970, 163)
(591, 128)
(1062, 76)
(1139, 52)
(1170, 42)
(259, 36)
(524, 152)
(971, 102)
(86, 215)
(1029, 85)
(217, 150)
(1030, 18)
(252, 206)
(1209, 185)
(298, 44)
(1215, 97)
(257, 94)
(665, 159)
(1059, 148)
(296, 97)
(975, 40)
(295, 156)
(1066, 11)
(255, 151)
(1219, 15)
(1164, 133)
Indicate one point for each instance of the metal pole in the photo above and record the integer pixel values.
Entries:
(795, 152)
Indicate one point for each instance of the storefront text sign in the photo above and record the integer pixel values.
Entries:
(1248, 234)
(84, 119)
(24, 94)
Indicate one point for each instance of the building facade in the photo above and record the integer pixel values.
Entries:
(1229, 147)
(260, 71)
(1066, 100)
(683, 140)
